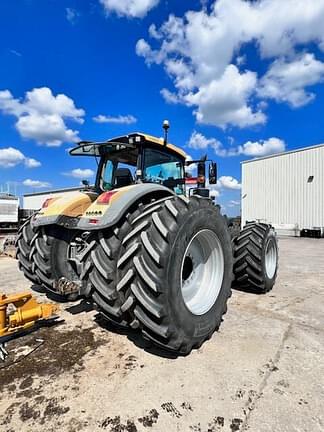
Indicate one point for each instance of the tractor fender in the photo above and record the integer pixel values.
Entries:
(64, 210)
(99, 216)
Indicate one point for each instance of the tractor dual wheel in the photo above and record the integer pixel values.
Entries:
(255, 258)
(24, 250)
(52, 260)
(112, 254)
(174, 272)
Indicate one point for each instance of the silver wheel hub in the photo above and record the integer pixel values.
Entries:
(271, 258)
(202, 272)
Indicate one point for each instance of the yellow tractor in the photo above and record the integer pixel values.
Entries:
(149, 253)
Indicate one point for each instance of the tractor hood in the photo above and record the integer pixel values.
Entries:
(64, 210)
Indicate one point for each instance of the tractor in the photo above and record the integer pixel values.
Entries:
(150, 253)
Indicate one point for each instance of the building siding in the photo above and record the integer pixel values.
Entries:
(276, 189)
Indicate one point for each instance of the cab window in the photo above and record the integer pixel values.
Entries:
(117, 174)
(118, 168)
(107, 177)
(163, 168)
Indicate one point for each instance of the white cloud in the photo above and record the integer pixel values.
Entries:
(192, 167)
(224, 101)
(223, 182)
(71, 15)
(261, 148)
(36, 184)
(234, 203)
(32, 163)
(80, 173)
(129, 8)
(16, 53)
(240, 60)
(198, 141)
(201, 52)
(10, 157)
(46, 129)
(286, 80)
(127, 119)
(143, 49)
(41, 115)
(228, 182)
(255, 149)
(154, 32)
(10, 105)
(170, 97)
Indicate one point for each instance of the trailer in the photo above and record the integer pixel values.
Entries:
(9, 206)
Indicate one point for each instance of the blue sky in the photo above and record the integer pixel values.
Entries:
(236, 80)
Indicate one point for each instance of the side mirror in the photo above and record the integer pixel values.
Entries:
(212, 173)
(85, 183)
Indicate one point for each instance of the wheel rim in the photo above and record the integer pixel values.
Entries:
(202, 272)
(271, 258)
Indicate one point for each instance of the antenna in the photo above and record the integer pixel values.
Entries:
(166, 127)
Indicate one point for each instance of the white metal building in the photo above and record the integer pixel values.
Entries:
(34, 201)
(285, 189)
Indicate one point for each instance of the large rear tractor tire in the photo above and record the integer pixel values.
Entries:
(24, 250)
(255, 258)
(179, 278)
(51, 260)
(115, 249)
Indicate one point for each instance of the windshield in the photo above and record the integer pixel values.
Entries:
(165, 169)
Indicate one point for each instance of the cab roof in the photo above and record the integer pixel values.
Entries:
(135, 138)
(150, 139)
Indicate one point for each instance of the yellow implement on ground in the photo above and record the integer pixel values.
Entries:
(27, 312)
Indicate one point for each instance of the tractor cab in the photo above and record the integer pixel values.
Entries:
(136, 158)
(140, 158)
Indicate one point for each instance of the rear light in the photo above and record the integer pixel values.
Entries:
(47, 202)
(191, 180)
(105, 197)
(93, 221)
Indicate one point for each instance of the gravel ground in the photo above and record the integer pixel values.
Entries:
(263, 371)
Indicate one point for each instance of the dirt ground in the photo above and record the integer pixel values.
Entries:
(263, 371)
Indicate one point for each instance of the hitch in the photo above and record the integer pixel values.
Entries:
(27, 312)
(64, 286)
